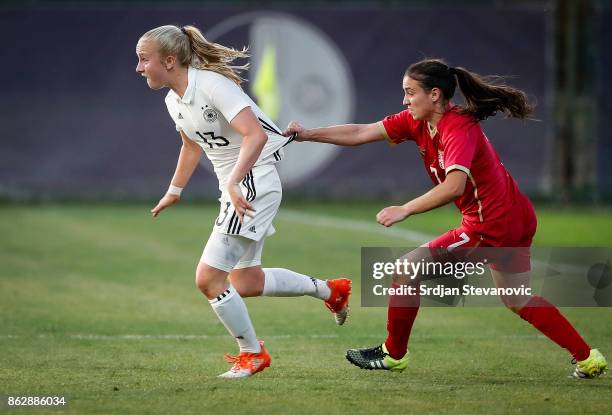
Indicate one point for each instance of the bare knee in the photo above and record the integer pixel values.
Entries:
(512, 281)
(204, 284)
(399, 279)
(514, 303)
(516, 310)
(210, 281)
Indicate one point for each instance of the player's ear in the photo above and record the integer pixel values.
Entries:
(435, 94)
(169, 62)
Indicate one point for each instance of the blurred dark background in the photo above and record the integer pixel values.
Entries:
(79, 124)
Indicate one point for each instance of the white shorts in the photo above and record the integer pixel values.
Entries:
(228, 252)
(239, 245)
(262, 188)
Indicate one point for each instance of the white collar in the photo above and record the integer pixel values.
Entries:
(191, 87)
(432, 130)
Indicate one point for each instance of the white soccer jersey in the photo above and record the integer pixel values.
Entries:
(204, 114)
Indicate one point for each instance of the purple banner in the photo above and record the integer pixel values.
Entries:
(79, 122)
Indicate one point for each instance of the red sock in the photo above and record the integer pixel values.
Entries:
(546, 317)
(401, 313)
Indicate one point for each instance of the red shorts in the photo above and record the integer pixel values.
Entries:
(504, 243)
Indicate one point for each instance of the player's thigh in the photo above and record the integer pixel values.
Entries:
(451, 246)
(247, 276)
(458, 244)
(222, 252)
(416, 256)
(457, 241)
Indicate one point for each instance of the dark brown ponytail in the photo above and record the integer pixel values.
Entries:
(484, 96)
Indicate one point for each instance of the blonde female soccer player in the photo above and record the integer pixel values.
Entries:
(213, 115)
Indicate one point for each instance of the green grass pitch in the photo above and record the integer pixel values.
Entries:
(98, 304)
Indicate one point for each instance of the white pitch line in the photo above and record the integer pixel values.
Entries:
(327, 221)
(141, 337)
(187, 336)
(106, 337)
(352, 225)
(162, 336)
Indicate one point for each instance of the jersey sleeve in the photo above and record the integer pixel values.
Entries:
(398, 128)
(167, 100)
(228, 98)
(460, 144)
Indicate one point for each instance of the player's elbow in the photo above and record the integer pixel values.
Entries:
(367, 133)
(456, 189)
(355, 141)
(454, 184)
(363, 139)
(259, 138)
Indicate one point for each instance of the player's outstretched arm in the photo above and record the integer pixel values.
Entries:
(342, 135)
(447, 191)
(188, 160)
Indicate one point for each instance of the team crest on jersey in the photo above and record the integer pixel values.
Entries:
(441, 159)
(210, 115)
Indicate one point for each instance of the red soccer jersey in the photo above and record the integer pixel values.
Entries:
(491, 195)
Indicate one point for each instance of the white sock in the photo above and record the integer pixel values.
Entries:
(280, 282)
(232, 312)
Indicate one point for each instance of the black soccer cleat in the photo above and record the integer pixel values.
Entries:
(376, 358)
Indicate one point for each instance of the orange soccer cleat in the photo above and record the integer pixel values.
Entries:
(338, 300)
(247, 364)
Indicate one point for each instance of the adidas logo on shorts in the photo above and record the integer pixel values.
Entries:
(252, 229)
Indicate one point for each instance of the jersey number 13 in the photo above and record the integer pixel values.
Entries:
(213, 140)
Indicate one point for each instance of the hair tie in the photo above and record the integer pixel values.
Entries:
(452, 70)
(183, 30)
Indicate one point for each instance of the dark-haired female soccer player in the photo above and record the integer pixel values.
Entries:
(466, 169)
